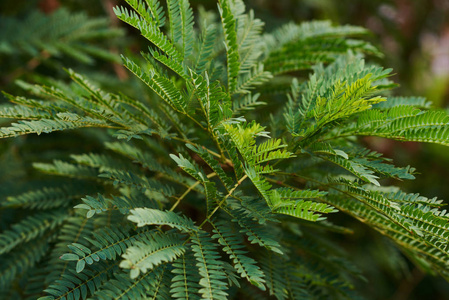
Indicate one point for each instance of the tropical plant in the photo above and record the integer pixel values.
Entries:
(36, 39)
(219, 184)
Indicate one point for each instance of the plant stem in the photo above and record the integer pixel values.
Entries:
(188, 191)
(224, 199)
(227, 161)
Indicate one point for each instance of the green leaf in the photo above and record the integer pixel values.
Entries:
(152, 251)
(80, 266)
(147, 216)
(69, 256)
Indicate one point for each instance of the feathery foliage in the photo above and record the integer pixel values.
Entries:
(203, 198)
(58, 34)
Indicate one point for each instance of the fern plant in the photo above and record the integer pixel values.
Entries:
(219, 184)
(33, 47)
(53, 41)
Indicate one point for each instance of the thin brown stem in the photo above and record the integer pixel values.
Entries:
(222, 201)
(227, 161)
(188, 191)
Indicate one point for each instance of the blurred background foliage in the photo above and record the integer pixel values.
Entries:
(413, 34)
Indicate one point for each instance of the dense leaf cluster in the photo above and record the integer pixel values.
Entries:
(208, 195)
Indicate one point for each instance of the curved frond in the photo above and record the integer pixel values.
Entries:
(185, 282)
(78, 286)
(147, 216)
(233, 245)
(229, 28)
(151, 251)
(212, 282)
(123, 287)
(30, 228)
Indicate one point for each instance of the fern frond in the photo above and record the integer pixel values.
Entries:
(294, 47)
(102, 162)
(432, 227)
(423, 223)
(209, 266)
(151, 251)
(169, 63)
(206, 48)
(254, 77)
(123, 287)
(162, 283)
(303, 55)
(162, 86)
(148, 161)
(298, 109)
(187, 28)
(147, 216)
(247, 102)
(137, 181)
(73, 31)
(21, 260)
(315, 29)
(261, 184)
(229, 29)
(93, 205)
(174, 16)
(62, 168)
(405, 123)
(287, 193)
(190, 168)
(376, 200)
(307, 210)
(101, 107)
(323, 283)
(332, 93)
(109, 244)
(385, 169)
(212, 196)
(146, 115)
(402, 197)
(74, 229)
(185, 282)
(111, 231)
(346, 100)
(295, 285)
(272, 266)
(131, 199)
(355, 168)
(152, 12)
(75, 286)
(22, 112)
(150, 31)
(47, 198)
(30, 228)
(254, 209)
(232, 152)
(244, 138)
(101, 104)
(257, 234)
(249, 40)
(233, 245)
(419, 102)
(64, 121)
(157, 12)
(270, 150)
(214, 165)
(214, 101)
(407, 239)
